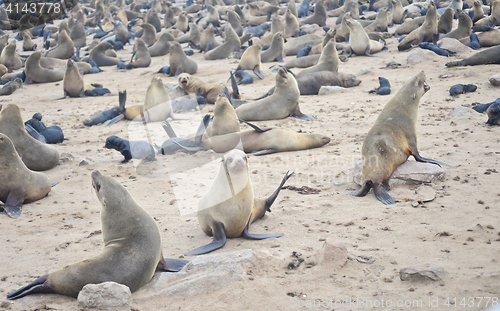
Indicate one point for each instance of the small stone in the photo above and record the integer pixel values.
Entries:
(470, 73)
(67, 157)
(462, 113)
(424, 272)
(495, 79)
(333, 251)
(326, 90)
(104, 296)
(83, 162)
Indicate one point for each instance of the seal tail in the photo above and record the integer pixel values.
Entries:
(37, 286)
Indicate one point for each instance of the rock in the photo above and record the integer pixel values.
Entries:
(409, 172)
(333, 252)
(470, 73)
(203, 274)
(104, 296)
(309, 28)
(425, 272)
(174, 90)
(66, 157)
(419, 55)
(453, 45)
(495, 79)
(462, 113)
(326, 90)
(364, 71)
(83, 162)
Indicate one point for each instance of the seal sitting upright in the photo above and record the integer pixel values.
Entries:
(229, 207)
(393, 138)
(132, 248)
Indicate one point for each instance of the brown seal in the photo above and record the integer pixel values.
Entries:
(494, 17)
(225, 120)
(478, 11)
(148, 34)
(36, 155)
(100, 58)
(397, 12)
(121, 32)
(179, 61)
(131, 254)
(65, 47)
(73, 84)
(276, 51)
(359, 41)
(37, 74)
(464, 28)
(488, 56)
(283, 103)
(207, 38)
(11, 86)
(231, 43)
(161, 46)
(251, 60)
(393, 138)
(409, 25)
(141, 57)
(19, 184)
(291, 24)
(486, 38)
(380, 23)
(78, 35)
(157, 104)
(28, 44)
(229, 207)
(445, 23)
(194, 85)
(318, 17)
(328, 60)
(10, 58)
(182, 22)
(427, 32)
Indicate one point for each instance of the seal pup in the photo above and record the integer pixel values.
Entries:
(283, 103)
(28, 44)
(131, 254)
(18, 184)
(52, 134)
(161, 46)
(36, 155)
(493, 113)
(100, 58)
(229, 207)
(251, 60)
(64, 49)
(393, 138)
(427, 32)
(231, 43)
(10, 58)
(141, 56)
(328, 60)
(11, 86)
(464, 28)
(359, 41)
(276, 51)
(179, 61)
(35, 73)
(489, 56)
(136, 149)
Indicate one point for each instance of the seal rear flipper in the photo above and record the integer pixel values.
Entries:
(262, 206)
(257, 72)
(218, 241)
(201, 129)
(14, 202)
(234, 86)
(115, 119)
(366, 187)
(37, 286)
(168, 129)
(419, 158)
(34, 133)
(262, 152)
(382, 194)
(122, 99)
(255, 236)
(256, 127)
(171, 265)
(302, 116)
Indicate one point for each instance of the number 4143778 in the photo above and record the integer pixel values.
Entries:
(33, 8)
(472, 302)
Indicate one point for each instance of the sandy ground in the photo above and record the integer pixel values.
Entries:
(459, 230)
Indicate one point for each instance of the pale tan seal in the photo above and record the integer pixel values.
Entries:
(131, 254)
(231, 43)
(64, 49)
(328, 60)
(393, 138)
(182, 22)
(464, 28)
(35, 73)
(180, 62)
(359, 41)
(161, 46)
(397, 12)
(148, 34)
(319, 16)
(11, 86)
(78, 35)
(100, 58)
(478, 11)
(283, 103)
(229, 207)
(73, 84)
(291, 24)
(141, 57)
(198, 87)
(36, 155)
(276, 51)
(380, 23)
(207, 39)
(225, 120)
(251, 60)
(157, 104)
(427, 32)
(494, 17)
(18, 184)
(10, 58)
(28, 44)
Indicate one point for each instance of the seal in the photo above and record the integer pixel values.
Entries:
(409, 25)
(35, 73)
(194, 85)
(141, 55)
(225, 120)
(207, 39)
(73, 85)
(121, 32)
(231, 43)
(328, 60)
(137, 149)
(132, 248)
(36, 155)
(179, 61)
(291, 24)
(493, 113)
(276, 51)
(489, 56)
(445, 23)
(393, 138)
(229, 207)
(100, 58)
(65, 47)
(19, 184)
(427, 32)
(484, 39)
(28, 44)
(157, 104)
(397, 11)
(251, 60)
(11, 86)
(283, 103)
(464, 28)
(52, 134)
(478, 11)
(148, 34)
(161, 46)
(380, 23)
(77, 35)
(360, 42)
(494, 17)
(318, 17)
(10, 58)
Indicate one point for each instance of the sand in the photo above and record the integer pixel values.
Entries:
(459, 230)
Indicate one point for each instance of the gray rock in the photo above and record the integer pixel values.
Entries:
(425, 272)
(310, 28)
(203, 274)
(453, 45)
(462, 113)
(470, 73)
(326, 90)
(104, 296)
(418, 56)
(333, 252)
(174, 91)
(184, 104)
(495, 79)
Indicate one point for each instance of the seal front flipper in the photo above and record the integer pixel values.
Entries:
(14, 202)
(171, 265)
(37, 286)
(255, 236)
(258, 73)
(302, 116)
(218, 242)
(262, 152)
(382, 194)
(34, 133)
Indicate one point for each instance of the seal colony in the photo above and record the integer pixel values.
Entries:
(198, 47)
